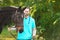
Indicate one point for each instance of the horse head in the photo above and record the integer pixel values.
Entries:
(8, 14)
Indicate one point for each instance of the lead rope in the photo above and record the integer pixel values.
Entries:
(29, 20)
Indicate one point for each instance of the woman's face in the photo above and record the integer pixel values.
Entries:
(26, 11)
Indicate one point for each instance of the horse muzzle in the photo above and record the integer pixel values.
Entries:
(20, 29)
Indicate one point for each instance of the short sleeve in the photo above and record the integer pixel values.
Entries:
(33, 24)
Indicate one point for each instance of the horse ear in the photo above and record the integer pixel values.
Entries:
(23, 8)
(19, 8)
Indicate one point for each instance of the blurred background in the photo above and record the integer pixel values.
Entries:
(46, 14)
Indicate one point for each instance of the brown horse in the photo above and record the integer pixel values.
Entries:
(18, 19)
(11, 14)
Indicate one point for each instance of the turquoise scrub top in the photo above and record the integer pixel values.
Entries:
(29, 24)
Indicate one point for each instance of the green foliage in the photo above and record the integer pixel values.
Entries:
(45, 12)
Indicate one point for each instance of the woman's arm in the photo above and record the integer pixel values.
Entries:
(34, 32)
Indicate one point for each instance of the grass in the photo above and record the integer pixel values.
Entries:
(5, 35)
